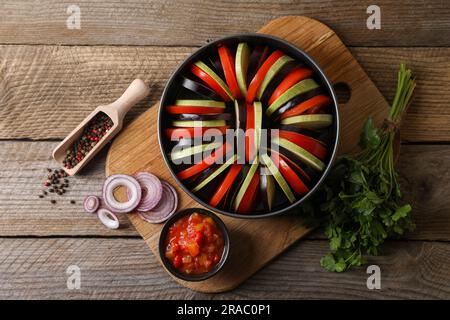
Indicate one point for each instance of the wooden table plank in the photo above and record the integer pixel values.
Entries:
(143, 22)
(124, 268)
(22, 212)
(424, 171)
(41, 86)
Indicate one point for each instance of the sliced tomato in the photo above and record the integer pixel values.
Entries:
(249, 133)
(260, 74)
(226, 184)
(193, 110)
(188, 133)
(313, 146)
(289, 174)
(205, 163)
(248, 200)
(227, 61)
(317, 101)
(210, 82)
(295, 166)
(292, 78)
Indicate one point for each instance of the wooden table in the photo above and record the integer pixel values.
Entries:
(51, 77)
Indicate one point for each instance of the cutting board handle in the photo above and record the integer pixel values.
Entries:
(137, 91)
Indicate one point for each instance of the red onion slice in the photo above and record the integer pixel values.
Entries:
(165, 208)
(151, 191)
(108, 218)
(91, 204)
(118, 180)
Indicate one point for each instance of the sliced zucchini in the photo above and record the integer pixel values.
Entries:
(193, 123)
(184, 152)
(201, 117)
(297, 89)
(245, 185)
(258, 125)
(310, 121)
(278, 177)
(274, 69)
(216, 78)
(302, 154)
(218, 171)
(200, 103)
(241, 66)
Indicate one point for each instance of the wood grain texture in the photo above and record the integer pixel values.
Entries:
(430, 109)
(41, 86)
(22, 213)
(124, 269)
(192, 22)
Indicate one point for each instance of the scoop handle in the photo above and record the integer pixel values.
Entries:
(137, 91)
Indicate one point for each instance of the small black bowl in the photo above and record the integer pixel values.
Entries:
(171, 92)
(194, 277)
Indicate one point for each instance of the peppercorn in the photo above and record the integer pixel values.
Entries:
(53, 201)
(92, 133)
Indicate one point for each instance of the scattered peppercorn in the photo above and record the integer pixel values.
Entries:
(72, 201)
(56, 183)
(93, 132)
(53, 201)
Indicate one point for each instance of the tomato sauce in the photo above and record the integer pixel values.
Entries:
(194, 244)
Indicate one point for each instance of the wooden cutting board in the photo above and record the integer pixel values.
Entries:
(254, 243)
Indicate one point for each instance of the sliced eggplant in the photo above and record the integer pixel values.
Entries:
(215, 77)
(200, 103)
(278, 177)
(193, 124)
(244, 186)
(241, 66)
(215, 174)
(310, 121)
(295, 101)
(257, 58)
(267, 189)
(297, 89)
(199, 88)
(302, 154)
(201, 117)
(241, 121)
(234, 189)
(274, 69)
(201, 176)
(215, 64)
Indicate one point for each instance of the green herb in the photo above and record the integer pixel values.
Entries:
(360, 202)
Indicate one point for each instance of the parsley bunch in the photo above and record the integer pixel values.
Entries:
(360, 202)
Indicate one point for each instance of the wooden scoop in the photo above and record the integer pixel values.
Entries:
(117, 110)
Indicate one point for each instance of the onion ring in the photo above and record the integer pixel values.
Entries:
(117, 180)
(108, 218)
(91, 204)
(151, 191)
(165, 208)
